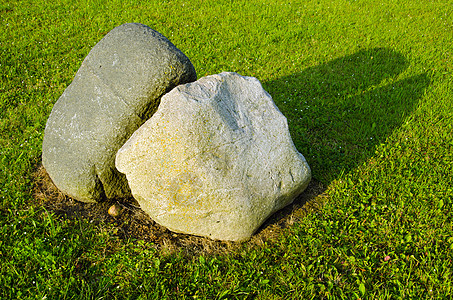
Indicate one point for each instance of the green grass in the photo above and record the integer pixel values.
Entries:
(367, 88)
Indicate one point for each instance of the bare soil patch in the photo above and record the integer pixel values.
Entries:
(133, 224)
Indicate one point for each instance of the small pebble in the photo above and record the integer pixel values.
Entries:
(114, 210)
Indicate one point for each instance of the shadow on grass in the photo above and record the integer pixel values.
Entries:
(340, 111)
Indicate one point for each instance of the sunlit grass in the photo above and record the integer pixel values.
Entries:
(367, 89)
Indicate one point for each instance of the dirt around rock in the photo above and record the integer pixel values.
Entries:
(133, 224)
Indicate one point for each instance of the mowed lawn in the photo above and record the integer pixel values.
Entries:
(368, 92)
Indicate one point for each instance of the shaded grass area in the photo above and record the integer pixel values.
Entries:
(366, 87)
(339, 111)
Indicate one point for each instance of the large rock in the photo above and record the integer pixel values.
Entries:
(117, 88)
(215, 160)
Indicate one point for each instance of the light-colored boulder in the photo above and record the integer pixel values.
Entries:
(215, 160)
(117, 88)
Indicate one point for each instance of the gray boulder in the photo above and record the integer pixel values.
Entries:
(215, 160)
(117, 88)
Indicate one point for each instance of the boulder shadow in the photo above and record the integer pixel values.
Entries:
(338, 112)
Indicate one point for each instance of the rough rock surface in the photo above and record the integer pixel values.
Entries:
(117, 88)
(215, 160)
